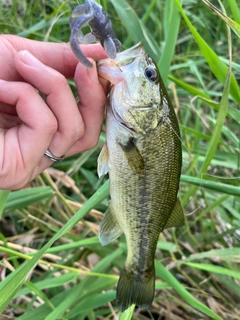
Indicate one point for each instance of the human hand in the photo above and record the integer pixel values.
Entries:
(30, 124)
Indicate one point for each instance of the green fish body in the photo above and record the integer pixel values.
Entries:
(143, 157)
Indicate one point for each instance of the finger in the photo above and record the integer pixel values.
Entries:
(59, 98)
(91, 106)
(22, 146)
(92, 100)
(58, 56)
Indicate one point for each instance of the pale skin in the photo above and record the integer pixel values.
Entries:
(30, 124)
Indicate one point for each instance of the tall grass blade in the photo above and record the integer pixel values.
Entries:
(164, 274)
(219, 68)
(3, 199)
(49, 283)
(15, 280)
(88, 304)
(86, 289)
(217, 131)
(212, 185)
(172, 27)
(39, 293)
(135, 28)
(234, 5)
(231, 23)
(127, 314)
(227, 254)
(214, 269)
(24, 197)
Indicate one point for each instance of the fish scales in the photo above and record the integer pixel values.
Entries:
(143, 157)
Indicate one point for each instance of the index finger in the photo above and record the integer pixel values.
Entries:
(58, 56)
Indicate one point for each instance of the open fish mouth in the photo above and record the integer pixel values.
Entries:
(125, 57)
(110, 69)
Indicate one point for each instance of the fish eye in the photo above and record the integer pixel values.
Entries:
(151, 73)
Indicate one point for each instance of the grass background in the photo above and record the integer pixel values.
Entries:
(52, 265)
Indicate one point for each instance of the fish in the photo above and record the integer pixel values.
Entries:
(143, 156)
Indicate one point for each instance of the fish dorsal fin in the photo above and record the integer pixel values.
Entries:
(176, 218)
(103, 158)
(133, 156)
(109, 227)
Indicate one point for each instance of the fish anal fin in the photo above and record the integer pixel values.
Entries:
(176, 218)
(109, 227)
(134, 158)
(103, 159)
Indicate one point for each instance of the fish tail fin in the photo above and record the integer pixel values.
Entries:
(135, 289)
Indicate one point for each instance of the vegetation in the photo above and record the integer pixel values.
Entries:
(52, 265)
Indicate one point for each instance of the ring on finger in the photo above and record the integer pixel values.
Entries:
(51, 156)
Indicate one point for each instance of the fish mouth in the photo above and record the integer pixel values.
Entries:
(110, 69)
(127, 56)
(124, 57)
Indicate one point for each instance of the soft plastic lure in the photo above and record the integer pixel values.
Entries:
(92, 13)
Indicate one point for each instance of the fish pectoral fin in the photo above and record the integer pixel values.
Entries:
(176, 218)
(103, 158)
(134, 158)
(110, 229)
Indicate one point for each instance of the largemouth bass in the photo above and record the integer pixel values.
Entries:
(143, 157)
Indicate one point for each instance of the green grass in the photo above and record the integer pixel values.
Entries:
(55, 266)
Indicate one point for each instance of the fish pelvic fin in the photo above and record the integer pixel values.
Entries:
(135, 289)
(103, 159)
(109, 227)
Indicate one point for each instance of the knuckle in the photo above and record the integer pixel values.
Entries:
(28, 90)
(60, 80)
(51, 125)
(78, 132)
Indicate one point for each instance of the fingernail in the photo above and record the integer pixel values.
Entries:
(30, 60)
(92, 73)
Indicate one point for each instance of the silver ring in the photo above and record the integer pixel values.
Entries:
(49, 154)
